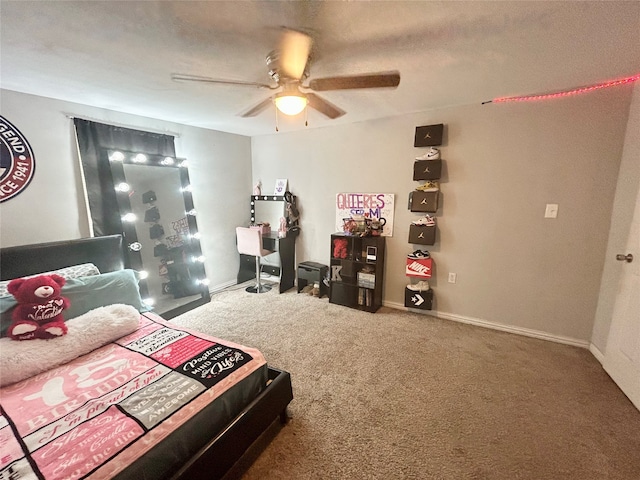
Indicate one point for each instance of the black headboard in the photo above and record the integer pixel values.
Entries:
(104, 252)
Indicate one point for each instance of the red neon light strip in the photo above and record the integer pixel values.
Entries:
(575, 91)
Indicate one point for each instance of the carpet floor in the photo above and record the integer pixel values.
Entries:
(401, 395)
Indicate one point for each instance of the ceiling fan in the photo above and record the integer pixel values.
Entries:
(289, 68)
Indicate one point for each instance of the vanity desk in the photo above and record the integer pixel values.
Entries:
(285, 248)
(270, 208)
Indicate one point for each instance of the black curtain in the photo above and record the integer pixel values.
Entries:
(93, 138)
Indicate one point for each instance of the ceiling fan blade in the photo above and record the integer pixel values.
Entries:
(348, 82)
(252, 112)
(196, 78)
(323, 106)
(294, 53)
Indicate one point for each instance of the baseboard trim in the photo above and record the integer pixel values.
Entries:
(222, 286)
(527, 332)
(597, 353)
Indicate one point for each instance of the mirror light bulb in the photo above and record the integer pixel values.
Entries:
(140, 158)
(129, 217)
(116, 157)
(167, 161)
(143, 274)
(149, 301)
(123, 187)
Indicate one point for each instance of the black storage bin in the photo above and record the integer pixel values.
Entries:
(343, 293)
(152, 215)
(149, 197)
(160, 250)
(422, 234)
(156, 231)
(427, 169)
(420, 299)
(420, 201)
(311, 272)
(428, 135)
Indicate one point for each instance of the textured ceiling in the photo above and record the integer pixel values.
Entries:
(120, 55)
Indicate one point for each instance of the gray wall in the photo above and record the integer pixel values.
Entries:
(504, 163)
(53, 208)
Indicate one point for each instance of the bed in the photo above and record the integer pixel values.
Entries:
(211, 424)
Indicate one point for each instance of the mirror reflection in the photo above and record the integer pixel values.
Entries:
(267, 209)
(160, 230)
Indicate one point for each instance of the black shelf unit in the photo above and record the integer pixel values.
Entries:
(358, 278)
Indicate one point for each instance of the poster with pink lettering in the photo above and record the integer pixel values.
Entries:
(376, 207)
(92, 417)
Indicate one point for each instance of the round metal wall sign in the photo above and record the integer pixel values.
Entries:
(17, 163)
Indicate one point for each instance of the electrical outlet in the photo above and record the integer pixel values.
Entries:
(551, 211)
(452, 277)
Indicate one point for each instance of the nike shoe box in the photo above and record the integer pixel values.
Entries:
(427, 169)
(420, 201)
(419, 267)
(420, 299)
(422, 234)
(428, 135)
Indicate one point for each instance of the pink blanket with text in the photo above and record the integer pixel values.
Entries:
(92, 417)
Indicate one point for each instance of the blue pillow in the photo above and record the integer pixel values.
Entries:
(87, 293)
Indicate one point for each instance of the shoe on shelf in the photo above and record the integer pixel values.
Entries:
(421, 286)
(431, 154)
(429, 186)
(428, 220)
(419, 254)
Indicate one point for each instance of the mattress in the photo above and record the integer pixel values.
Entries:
(139, 407)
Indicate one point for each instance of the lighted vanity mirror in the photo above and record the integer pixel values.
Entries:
(267, 208)
(160, 230)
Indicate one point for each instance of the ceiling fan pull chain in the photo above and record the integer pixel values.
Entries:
(306, 114)
(277, 120)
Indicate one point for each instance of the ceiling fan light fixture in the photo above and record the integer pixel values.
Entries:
(290, 103)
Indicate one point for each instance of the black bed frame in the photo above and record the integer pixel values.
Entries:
(227, 446)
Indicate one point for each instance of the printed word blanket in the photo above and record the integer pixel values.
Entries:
(95, 415)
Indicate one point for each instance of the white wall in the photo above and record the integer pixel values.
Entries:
(623, 207)
(504, 162)
(52, 207)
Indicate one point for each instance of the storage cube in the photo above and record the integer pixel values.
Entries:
(366, 280)
(422, 234)
(420, 201)
(420, 299)
(419, 267)
(427, 169)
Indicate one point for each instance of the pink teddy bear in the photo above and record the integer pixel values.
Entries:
(40, 306)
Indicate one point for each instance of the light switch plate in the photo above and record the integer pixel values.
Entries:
(551, 211)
